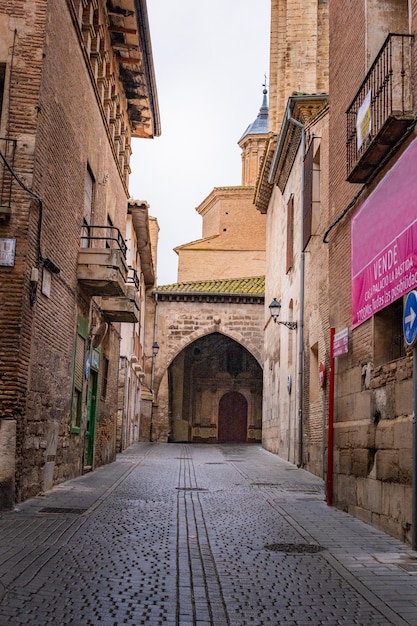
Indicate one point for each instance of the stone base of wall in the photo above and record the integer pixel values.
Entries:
(145, 417)
(105, 451)
(7, 463)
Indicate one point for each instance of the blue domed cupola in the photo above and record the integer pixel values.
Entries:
(253, 143)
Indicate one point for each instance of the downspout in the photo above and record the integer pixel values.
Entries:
(302, 273)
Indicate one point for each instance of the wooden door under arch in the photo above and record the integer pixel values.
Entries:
(233, 418)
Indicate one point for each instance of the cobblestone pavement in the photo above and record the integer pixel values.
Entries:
(199, 535)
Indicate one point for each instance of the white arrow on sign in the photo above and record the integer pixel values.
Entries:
(409, 319)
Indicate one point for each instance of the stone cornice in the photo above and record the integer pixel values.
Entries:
(303, 108)
(264, 189)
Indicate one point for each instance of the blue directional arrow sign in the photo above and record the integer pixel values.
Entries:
(410, 318)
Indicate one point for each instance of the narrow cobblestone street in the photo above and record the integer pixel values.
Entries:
(199, 535)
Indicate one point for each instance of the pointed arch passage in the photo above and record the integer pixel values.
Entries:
(207, 369)
(233, 418)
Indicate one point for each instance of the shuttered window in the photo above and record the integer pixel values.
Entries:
(78, 376)
(290, 233)
(88, 207)
(79, 363)
(308, 194)
(2, 81)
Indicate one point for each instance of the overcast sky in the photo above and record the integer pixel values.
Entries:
(210, 57)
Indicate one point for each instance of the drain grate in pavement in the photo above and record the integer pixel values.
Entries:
(190, 489)
(294, 548)
(411, 568)
(265, 485)
(62, 509)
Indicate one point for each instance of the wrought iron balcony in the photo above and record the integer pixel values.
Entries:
(7, 150)
(382, 109)
(102, 269)
(124, 308)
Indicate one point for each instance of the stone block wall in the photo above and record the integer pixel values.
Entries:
(181, 323)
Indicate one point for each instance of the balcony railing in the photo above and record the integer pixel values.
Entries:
(382, 108)
(133, 278)
(103, 237)
(102, 268)
(124, 308)
(8, 150)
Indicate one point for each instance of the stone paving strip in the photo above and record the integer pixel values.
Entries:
(199, 535)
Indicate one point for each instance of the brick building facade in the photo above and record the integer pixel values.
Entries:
(353, 182)
(292, 190)
(373, 207)
(77, 84)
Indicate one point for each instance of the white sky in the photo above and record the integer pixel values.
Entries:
(210, 57)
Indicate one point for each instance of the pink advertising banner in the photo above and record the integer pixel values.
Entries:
(384, 241)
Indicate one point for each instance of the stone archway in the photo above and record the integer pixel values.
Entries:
(209, 369)
(233, 418)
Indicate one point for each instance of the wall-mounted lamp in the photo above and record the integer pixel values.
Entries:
(275, 310)
(50, 265)
(155, 350)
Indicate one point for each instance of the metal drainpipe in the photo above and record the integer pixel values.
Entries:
(302, 271)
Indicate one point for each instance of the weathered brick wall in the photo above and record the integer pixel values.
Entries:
(372, 404)
(19, 117)
(281, 418)
(298, 31)
(316, 306)
(59, 129)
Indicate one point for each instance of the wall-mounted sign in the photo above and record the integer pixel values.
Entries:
(7, 251)
(384, 241)
(322, 374)
(87, 365)
(363, 120)
(46, 282)
(341, 342)
(95, 359)
(410, 319)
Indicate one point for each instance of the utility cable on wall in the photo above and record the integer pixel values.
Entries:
(40, 258)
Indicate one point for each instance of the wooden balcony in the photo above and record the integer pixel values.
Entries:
(102, 270)
(382, 109)
(124, 308)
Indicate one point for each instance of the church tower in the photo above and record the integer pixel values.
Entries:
(253, 143)
(233, 238)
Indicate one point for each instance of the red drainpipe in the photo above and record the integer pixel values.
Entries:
(329, 480)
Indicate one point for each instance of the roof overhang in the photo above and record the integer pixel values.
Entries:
(303, 108)
(131, 42)
(140, 219)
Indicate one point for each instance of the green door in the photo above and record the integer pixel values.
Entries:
(91, 420)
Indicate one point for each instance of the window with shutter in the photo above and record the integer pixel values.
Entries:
(2, 82)
(78, 377)
(88, 207)
(290, 233)
(308, 194)
(79, 363)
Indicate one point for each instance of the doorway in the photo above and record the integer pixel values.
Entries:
(233, 418)
(91, 420)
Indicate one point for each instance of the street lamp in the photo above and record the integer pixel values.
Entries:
(275, 310)
(155, 350)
